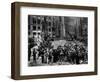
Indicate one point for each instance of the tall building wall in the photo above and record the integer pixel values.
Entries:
(57, 26)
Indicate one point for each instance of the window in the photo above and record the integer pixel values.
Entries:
(53, 29)
(49, 23)
(34, 33)
(49, 29)
(38, 33)
(29, 33)
(34, 27)
(49, 18)
(34, 21)
(38, 27)
(38, 21)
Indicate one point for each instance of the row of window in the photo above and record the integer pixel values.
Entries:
(38, 21)
(35, 28)
(34, 33)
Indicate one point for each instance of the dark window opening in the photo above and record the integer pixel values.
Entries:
(38, 33)
(28, 33)
(49, 23)
(34, 21)
(53, 29)
(34, 27)
(34, 33)
(38, 21)
(49, 29)
(39, 28)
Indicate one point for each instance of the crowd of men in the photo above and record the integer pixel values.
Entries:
(70, 53)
